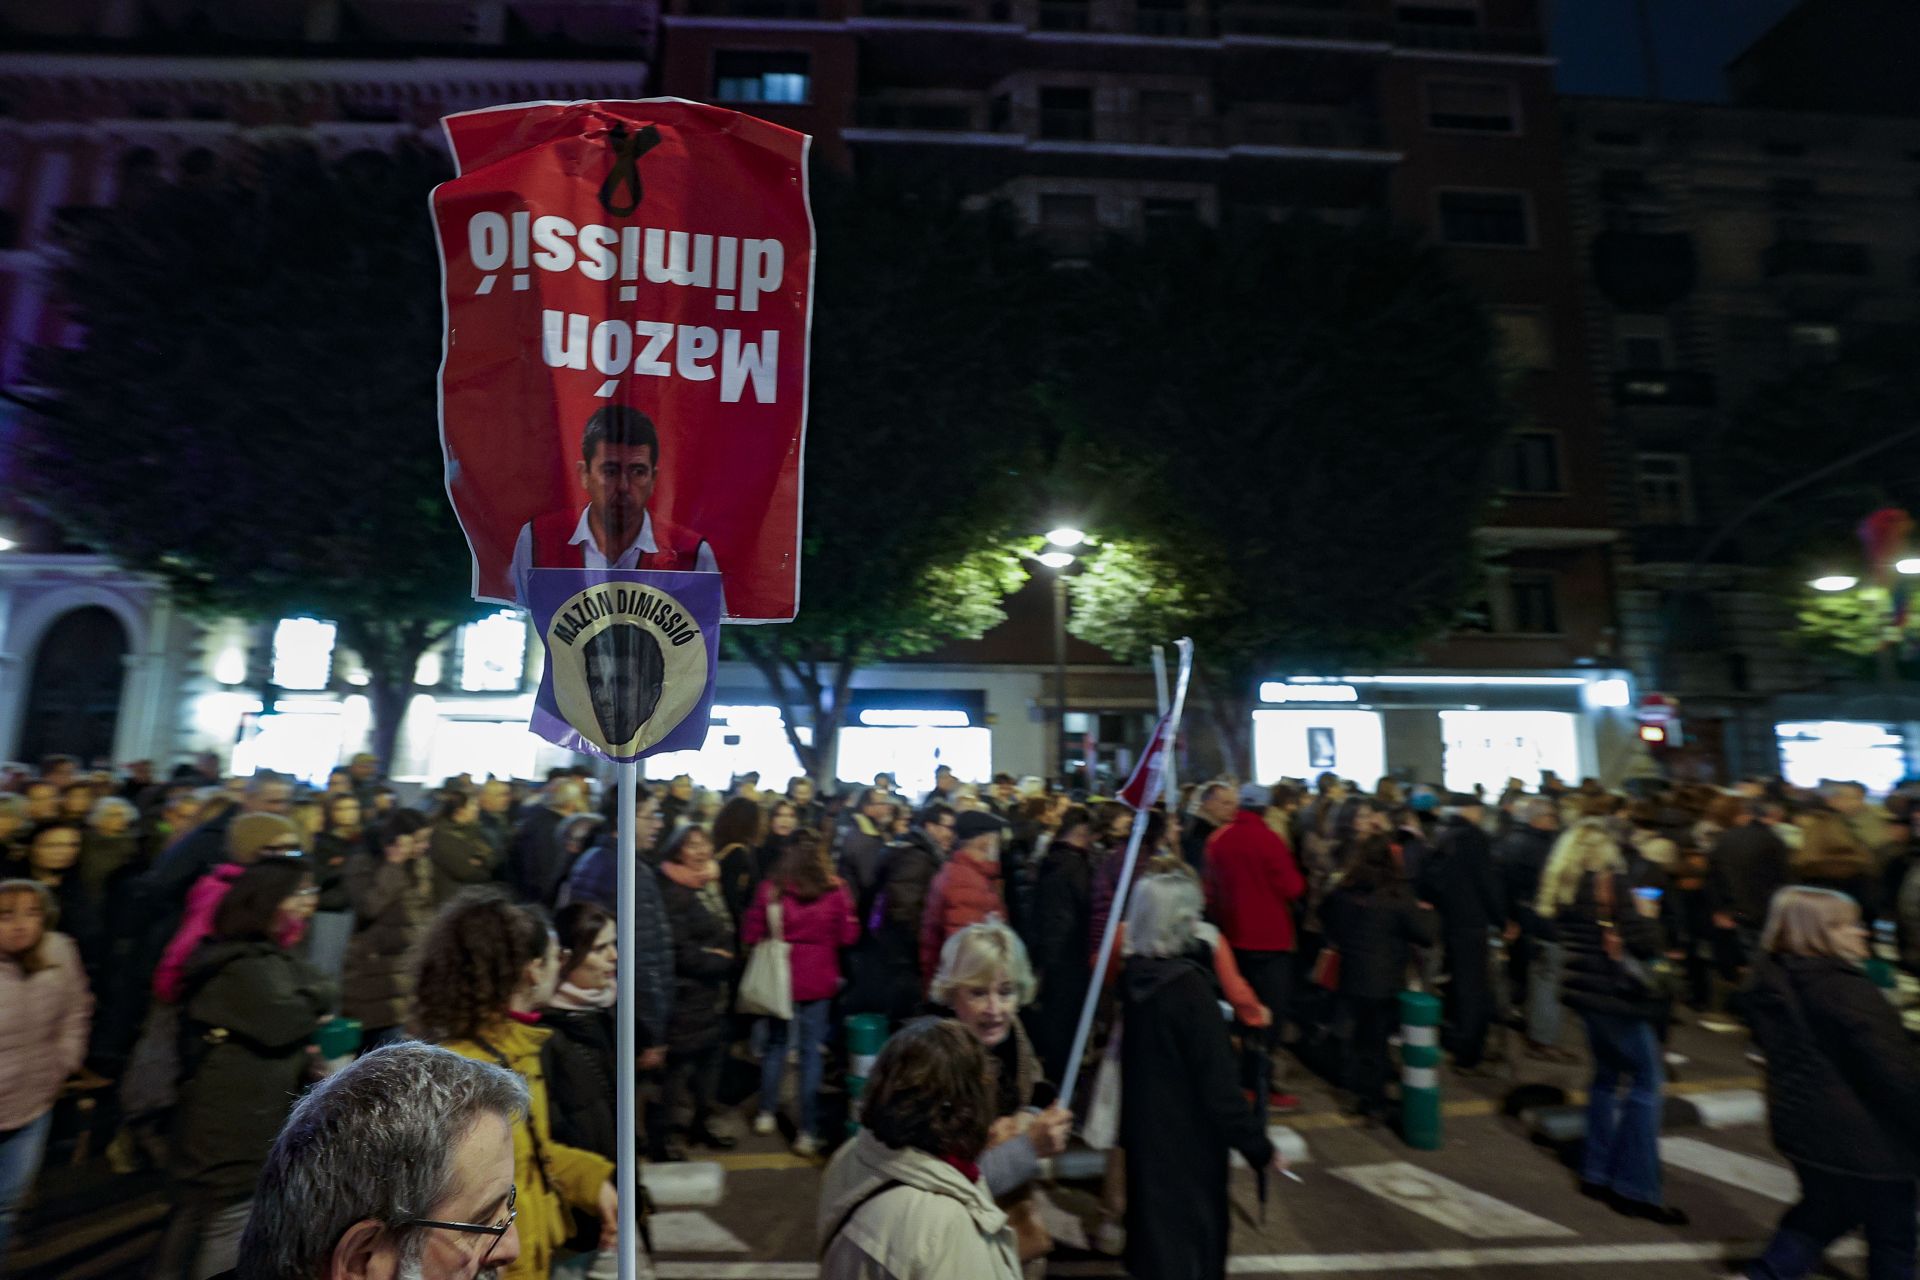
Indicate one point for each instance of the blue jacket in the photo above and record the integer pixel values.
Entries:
(594, 879)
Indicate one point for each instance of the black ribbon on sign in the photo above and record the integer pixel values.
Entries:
(627, 150)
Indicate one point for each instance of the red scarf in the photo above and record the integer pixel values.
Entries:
(968, 1169)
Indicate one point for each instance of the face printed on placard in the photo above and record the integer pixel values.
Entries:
(625, 670)
(628, 660)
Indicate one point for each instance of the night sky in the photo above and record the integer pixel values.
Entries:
(1598, 44)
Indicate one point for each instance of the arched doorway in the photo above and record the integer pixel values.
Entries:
(73, 698)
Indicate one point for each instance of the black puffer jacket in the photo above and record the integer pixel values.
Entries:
(1843, 1080)
(580, 1081)
(1595, 982)
(702, 962)
(1375, 930)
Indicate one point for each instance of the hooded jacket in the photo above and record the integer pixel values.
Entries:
(930, 1225)
(552, 1178)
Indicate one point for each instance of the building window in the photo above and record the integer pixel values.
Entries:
(1664, 483)
(1066, 115)
(302, 653)
(1812, 343)
(1646, 342)
(1525, 340)
(1475, 106)
(1530, 597)
(1530, 463)
(493, 653)
(751, 75)
(1494, 218)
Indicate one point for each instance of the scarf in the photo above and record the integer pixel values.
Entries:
(576, 999)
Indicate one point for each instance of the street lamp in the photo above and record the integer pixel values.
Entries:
(1058, 559)
(7, 544)
(1066, 536)
(1909, 566)
(1835, 582)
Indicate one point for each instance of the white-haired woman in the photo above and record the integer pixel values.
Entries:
(1181, 1109)
(1610, 941)
(984, 977)
(1843, 1087)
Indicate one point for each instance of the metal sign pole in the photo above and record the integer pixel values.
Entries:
(625, 1055)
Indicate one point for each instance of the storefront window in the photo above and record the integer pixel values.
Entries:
(1306, 744)
(1485, 748)
(1817, 751)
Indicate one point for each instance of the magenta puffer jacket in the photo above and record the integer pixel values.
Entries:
(817, 930)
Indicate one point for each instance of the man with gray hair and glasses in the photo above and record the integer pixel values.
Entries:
(400, 1167)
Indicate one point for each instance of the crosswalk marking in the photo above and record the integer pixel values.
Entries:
(693, 1183)
(1442, 1200)
(687, 1231)
(1730, 1108)
(1762, 1177)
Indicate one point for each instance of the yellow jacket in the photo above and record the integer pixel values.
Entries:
(570, 1179)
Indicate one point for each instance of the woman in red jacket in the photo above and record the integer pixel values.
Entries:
(815, 916)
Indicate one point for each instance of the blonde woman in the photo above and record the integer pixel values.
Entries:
(1586, 845)
(984, 977)
(1843, 1087)
(1608, 940)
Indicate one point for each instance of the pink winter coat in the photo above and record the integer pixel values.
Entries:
(196, 922)
(44, 1018)
(817, 930)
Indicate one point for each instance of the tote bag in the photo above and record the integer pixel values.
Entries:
(767, 986)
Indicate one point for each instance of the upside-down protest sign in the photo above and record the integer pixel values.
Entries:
(628, 293)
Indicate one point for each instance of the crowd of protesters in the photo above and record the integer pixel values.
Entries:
(212, 947)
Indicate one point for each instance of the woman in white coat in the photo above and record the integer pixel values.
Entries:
(905, 1200)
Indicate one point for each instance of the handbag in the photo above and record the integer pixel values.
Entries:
(1326, 968)
(766, 988)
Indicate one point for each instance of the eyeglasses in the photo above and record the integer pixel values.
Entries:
(497, 1230)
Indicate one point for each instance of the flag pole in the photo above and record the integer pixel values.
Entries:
(626, 1057)
(1168, 729)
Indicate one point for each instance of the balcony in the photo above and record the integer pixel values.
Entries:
(1288, 22)
(970, 11)
(1644, 270)
(1176, 24)
(1280, 125)
(1118, 128)
(920, 117)
(803, 9)
(1468, 39)
(1674, 388)
(1815, 258)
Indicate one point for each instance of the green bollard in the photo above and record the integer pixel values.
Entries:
(866, 1032)
(1420, 1070)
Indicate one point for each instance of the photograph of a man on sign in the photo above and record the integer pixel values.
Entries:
(619, 465)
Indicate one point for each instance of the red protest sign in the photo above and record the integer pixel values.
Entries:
(628, 293)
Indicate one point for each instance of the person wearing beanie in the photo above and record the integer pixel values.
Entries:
(250, 837)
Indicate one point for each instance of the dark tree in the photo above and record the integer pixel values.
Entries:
(929, 335)
(250, 410)
(1292, 429)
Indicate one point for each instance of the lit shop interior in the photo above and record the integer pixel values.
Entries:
(1461, 731)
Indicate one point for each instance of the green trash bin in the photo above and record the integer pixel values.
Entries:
(866, 1032)
(1420, 1070)
(338, 1041)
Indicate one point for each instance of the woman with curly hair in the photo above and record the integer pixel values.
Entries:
(905, 1200)
(487, 966)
